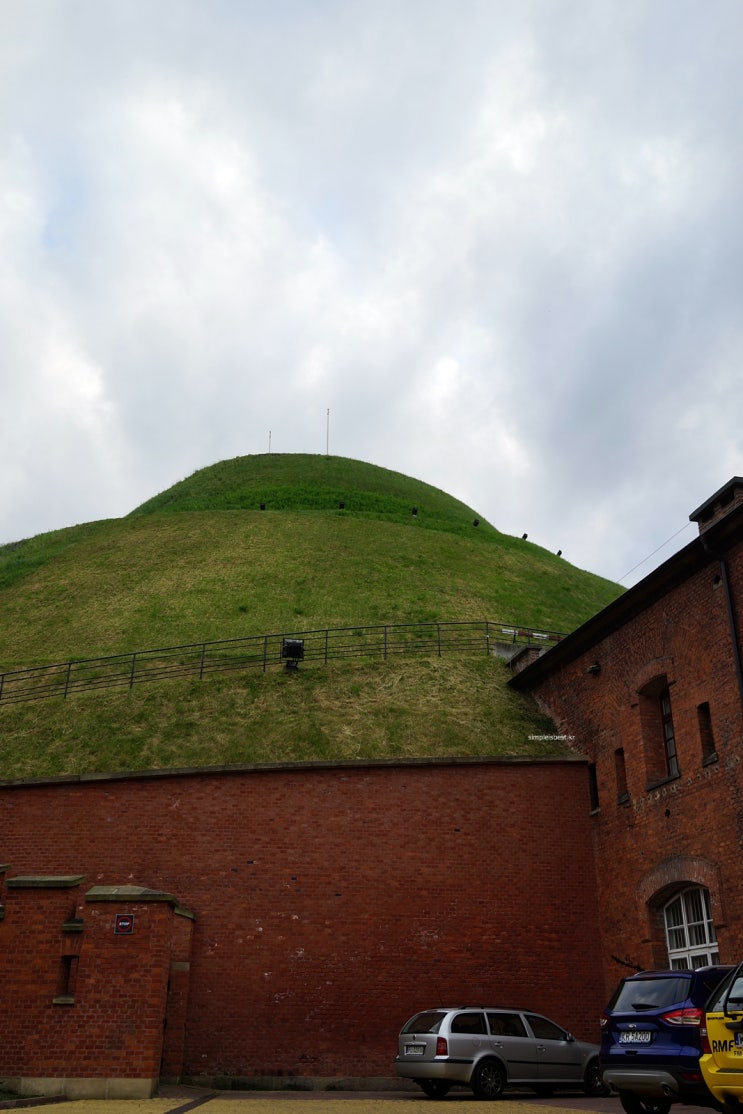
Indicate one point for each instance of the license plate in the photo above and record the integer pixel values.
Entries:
(636, 1036)
(415, 1049)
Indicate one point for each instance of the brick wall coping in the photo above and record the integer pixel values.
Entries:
(95, 893)
(44, 881)
(289, 767)
(129, 893)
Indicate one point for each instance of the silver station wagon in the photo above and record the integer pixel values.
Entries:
(491, 1049)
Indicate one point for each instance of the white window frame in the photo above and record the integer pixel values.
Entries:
(690, 932)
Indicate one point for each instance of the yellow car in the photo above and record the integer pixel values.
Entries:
(722, 1046)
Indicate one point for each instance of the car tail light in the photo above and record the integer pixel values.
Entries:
(442, 1048)
(690, 1015)
(604, 1020)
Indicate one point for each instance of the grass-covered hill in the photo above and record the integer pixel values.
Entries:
(337, 545)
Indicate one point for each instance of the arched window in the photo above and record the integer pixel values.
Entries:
(690, 933)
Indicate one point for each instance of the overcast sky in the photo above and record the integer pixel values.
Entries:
(499, 241)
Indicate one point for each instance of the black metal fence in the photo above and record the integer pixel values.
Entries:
(263, 651)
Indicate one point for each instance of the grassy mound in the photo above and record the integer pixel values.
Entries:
(202, 562)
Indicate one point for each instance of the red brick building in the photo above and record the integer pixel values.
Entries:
(255, 923)
(651, 689)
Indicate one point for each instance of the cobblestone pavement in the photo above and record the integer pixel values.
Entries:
(264, 1102)
(182, 1100)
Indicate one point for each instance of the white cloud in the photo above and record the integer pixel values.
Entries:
(499, 242)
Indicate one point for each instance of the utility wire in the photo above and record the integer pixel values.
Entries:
(662, 546)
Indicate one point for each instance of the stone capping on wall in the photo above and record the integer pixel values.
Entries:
(137, 894)
(288, 767)
(44, 881)
(128, 893)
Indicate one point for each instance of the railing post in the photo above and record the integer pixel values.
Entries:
(455, 642)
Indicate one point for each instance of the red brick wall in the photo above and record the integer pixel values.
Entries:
(80, 1000)
(332, 903)
(32, 1029)
(121, 990)
(686, 829)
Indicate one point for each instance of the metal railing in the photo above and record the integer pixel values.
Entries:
(261, 651)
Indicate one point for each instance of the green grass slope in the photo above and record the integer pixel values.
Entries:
(202, 562)
(305, 483)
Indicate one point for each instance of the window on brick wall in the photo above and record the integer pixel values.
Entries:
(593, 787)
(690, 933)
(706, 735)
(620, 773)
(66, 979)
(658, 735)
(669, 737)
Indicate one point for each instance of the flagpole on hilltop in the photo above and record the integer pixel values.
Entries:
(327, 431)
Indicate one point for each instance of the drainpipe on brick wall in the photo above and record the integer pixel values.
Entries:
(731, 615)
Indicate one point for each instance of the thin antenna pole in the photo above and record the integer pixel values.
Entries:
(269, 440)
(327, 432)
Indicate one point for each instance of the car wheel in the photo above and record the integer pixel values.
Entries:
(488, 1080)
(634, 1104)
(434, 1088)
(593, 1083)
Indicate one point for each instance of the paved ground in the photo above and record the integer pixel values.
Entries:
(341, 1102)
(183, 1100)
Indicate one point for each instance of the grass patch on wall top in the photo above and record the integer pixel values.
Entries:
(438, 708)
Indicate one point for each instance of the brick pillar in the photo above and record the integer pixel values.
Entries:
(39, 951)
(84, 987)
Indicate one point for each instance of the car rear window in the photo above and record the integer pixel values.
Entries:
(728, 995)
(468, 1023)
(428, 1022)
(649, 994)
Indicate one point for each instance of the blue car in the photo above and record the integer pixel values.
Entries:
(651, 1039)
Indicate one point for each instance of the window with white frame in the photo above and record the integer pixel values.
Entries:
(690, 933)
